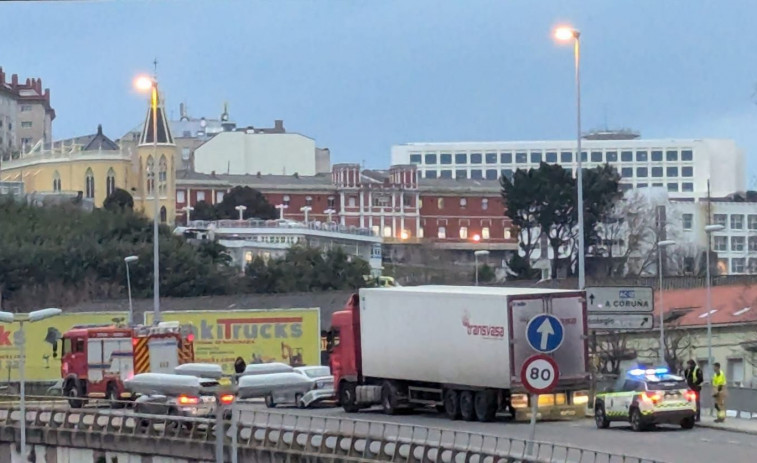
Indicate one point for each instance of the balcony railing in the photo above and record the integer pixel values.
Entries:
(332, 227)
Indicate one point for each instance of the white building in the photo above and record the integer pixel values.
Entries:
(681, 166)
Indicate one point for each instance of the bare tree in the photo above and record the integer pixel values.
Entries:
(611, 349)
(678, 343)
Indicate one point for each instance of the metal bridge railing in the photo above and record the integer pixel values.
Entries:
(252, 433)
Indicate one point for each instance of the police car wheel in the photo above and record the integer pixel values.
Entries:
(600, 418)
(687, 423)
(636, 423)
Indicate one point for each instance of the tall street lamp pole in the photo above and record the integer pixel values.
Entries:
(709, 229)
(127, 261)
(566, 34)
(660, 246)
(21, 318)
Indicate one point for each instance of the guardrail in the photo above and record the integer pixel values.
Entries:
(276, 436)
(741, 400)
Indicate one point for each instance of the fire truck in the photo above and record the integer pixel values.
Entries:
(96, 359)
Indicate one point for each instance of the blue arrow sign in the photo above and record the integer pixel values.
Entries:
(544, 333)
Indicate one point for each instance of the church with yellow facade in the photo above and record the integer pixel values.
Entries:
(94, 166)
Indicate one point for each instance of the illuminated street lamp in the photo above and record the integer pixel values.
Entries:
(710, 229)
(660, 246)
(241, 210)
(565, 34)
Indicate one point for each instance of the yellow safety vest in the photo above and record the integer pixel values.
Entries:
(718, 379)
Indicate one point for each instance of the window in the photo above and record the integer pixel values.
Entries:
(721, 243)
(583, 156)
(89, 180)
(26, 108)
(626, 156)
(461, 158)
(56, 182)
(641, 172)
(521, 158)
(420, 233)
(185, 154)
(441, 233)
(375, 230)
(476, 174)
(387, 232)
(445, 174)
(737, 222)
(656, 156)
(719, 219)
(440, 203)
(484, 204)
(331, 202)
(491, 174)
(163, 214)
(752, 221)
(642, 185)
(657, 185)
(181, 196)
(506, 158)
(672, 187)
(671, 155)
(200, 196)
(672, 172)
(687, 171)
(463, 233)
(641, 156)
(378, 201)
(285, 200)
(352, 202)
(445, 158)
(507, 173)
(738, 264)
(626, 172)
(612, 156)
(219, 196)
(687, 186)
(415, 158)
(737, 243)
(566, 156)
(485, 233)
(162, 175)
(535, 157)
(26, 124)
(596, 156)
(25, 141)
(657, 172)
(687, 155)
(430, 159)
(463, 202)
(461, 174)
(475, 158)
(110, 182)
(309, 200)
(688, 221)
(735, 371)
(430, 174)
(491, 158)
(551, 157)
(150, 172)
(753, 243)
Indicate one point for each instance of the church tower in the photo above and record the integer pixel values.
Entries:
(157, 168)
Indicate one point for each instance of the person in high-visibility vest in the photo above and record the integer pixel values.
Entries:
(718, 389)
(694, 379)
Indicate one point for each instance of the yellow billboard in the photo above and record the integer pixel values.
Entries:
(41, 337)
(291, 336)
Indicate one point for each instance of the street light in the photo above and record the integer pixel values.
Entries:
(145, 84)
(710, 229)
(281, 208)
(306, 209)
(241, 210)
(476, 254)
(660, 246)
(188, 210)
(329, 212)
(21, 318)
(565, 34)
(128, 260)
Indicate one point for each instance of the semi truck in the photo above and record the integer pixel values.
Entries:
(456, 348)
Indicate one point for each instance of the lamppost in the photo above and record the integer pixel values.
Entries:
(281, 208)
(306, 209)
(128, 260)
(710, 229)
(188, 210)
(476, 255)
(150, 84)
(660, 246)
(241, 210)
(20, 339)
(565, 34)
(329, 212)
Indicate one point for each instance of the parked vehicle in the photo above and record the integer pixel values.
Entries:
(457, 348)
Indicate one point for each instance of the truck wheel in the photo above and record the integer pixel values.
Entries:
(452, 404)
(73, 391)
(389, 398)
(486, 406)
(348, 398)
(467, 406)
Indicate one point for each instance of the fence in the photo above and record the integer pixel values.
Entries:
(278, 437)
(741, 400)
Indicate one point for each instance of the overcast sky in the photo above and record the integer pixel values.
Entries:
(360, 76)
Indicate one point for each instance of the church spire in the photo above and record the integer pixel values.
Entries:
(164, 130)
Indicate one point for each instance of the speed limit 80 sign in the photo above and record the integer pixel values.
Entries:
(539, 374)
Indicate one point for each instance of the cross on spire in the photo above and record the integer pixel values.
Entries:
(155, 67)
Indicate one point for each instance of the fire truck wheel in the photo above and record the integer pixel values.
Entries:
(72, 391)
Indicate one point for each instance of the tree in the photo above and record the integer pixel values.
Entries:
(677, 345)
(557, 216)
(256, 203)
(611, 349)
(601, 193)
(118, 201)
(485, 274)
(520, 269)
(522, 207)
(204, 211)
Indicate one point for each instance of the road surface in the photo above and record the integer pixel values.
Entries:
(666, 443)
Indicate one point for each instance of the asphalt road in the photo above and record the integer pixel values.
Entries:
(666, 443)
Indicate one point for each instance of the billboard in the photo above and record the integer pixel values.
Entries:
(291, 336)
(40, 338)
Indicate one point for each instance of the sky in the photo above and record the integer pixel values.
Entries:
(361, 76)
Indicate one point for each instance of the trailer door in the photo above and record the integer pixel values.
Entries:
(164, 354)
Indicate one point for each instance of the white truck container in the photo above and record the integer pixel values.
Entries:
(458, 348)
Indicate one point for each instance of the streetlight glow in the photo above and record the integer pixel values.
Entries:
(565, 33)
(143, 83)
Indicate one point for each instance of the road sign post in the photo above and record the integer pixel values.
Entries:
(539, 374)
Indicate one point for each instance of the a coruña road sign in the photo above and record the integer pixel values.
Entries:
(617, 299)
(620, 321)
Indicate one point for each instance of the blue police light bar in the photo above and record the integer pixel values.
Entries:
(636, 372)
(649, 371)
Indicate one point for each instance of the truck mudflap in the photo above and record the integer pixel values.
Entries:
(565, 412)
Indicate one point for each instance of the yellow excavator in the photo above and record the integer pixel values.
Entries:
(294, 355)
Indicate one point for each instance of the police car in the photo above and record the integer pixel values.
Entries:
(646, 397)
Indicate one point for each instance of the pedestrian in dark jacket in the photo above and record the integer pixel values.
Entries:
(694, 379)
(239, 365)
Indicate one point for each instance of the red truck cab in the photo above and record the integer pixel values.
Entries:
(344, 358)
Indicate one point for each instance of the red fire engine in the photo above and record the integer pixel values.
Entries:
(96, 359)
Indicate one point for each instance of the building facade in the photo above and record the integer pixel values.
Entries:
(681, 166)
(25, 115)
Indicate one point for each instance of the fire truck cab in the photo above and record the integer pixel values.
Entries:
(96, 359)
